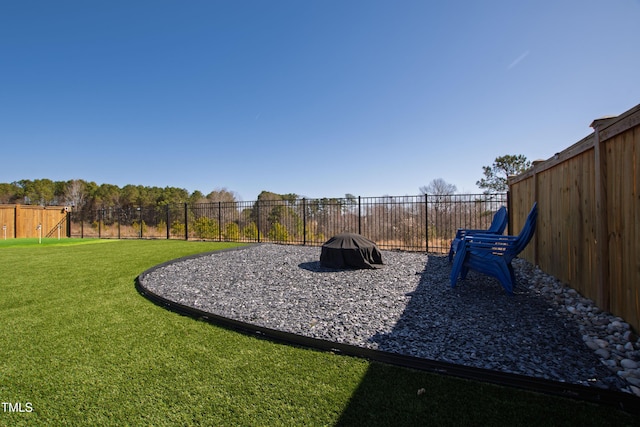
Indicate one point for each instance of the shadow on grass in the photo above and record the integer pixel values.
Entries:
(388, 396)
(391, 396)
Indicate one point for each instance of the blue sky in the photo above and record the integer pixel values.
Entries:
(318, 98)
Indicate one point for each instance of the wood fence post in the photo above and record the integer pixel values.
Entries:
(16, 221)
(601, 222)
(536, 250)
(509, 213)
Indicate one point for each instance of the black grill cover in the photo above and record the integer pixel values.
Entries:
(350, 250)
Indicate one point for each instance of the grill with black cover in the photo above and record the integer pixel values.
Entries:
(350, 250)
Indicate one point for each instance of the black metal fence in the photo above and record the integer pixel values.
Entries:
(413, 223)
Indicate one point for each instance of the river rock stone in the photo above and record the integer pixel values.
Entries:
(601, 343)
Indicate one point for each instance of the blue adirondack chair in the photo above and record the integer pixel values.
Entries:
(498, 224)
(492, 254)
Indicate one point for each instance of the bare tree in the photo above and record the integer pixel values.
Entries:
(76, 193)
(438, 187)
(441, 203)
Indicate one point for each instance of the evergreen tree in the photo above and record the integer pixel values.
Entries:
(495, 176)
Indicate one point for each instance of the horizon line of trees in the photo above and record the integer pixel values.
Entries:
(85, 195)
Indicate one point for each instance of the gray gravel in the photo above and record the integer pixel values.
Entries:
(406, 307)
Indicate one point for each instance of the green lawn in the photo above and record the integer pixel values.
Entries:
(79, 346)
(47, 242)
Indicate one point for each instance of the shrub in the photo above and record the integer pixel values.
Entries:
(161, 227)
(251, 231)
(232, 231)
(136, 227)
(278, 233)
(206, 228)
(177, 228)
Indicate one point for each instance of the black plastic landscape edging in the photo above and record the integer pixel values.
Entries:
(624, 401)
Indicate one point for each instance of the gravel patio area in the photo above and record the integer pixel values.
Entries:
(406, 307)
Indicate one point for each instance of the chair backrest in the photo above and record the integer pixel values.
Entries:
(526, 233)
(499, 222)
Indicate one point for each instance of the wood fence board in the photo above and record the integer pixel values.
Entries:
(7, 218)
(634, 219)
(634, 300)
(583, 216)
(615, 161)
(521, 202)
(586, 209)
(545, 238)
(622, 288)
(625, 208)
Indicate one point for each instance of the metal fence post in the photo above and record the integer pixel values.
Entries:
(219, 221)
(258, 219)
(426, 221)
(186, 222)
(304, 221)
(359, 217)
(167, 215)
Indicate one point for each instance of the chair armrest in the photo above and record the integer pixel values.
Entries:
(485, 237)
(489, 242)
(469, 231)
(487, 246)
(475, 231)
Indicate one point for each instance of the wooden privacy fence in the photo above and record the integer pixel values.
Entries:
(19, 221)
(588, 232)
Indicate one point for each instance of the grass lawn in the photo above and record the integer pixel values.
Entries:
(79, 346)
(47, 242)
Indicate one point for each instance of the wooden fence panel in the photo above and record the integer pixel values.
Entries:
(545, 244)
(54, 221)
(583, 210)
(565, 235)
(23, 220)
(623, 213)
(588, 231)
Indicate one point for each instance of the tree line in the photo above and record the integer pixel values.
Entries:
(86, 195)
